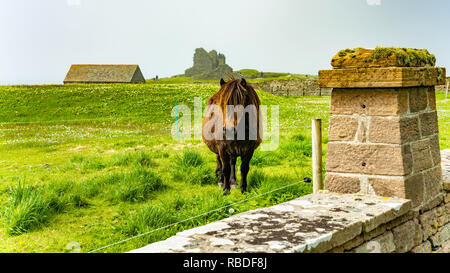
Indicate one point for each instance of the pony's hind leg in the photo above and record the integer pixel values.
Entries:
(233, 171)
(219, 172)
(245, 167)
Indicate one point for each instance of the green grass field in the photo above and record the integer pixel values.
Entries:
(96, 164)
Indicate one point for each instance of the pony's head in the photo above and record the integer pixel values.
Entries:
(236, 92)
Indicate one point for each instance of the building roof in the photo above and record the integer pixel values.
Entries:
(104, 73)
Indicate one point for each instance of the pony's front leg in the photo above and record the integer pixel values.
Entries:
(245, 167)
(226, 170)
(219, 172)
(233, 171)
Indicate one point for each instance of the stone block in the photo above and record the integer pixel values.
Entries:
(394, 130)
(367, 102)
(432, 203)
(376, 159)
(431, 98)
(381, 244)
(441, 237)
(418, 99)
(342, 128)
(435, 150)
(421, 155)
(407, 236)
(383, 77)
(433, 182)
(424, 247)
(414, 189)
(429, 123)
(429, 223)
(342, 184)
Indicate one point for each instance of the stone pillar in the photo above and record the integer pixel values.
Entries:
(383, 132)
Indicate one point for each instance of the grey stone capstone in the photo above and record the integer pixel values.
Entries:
(313, 223)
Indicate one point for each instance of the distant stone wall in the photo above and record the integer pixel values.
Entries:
(293, 87)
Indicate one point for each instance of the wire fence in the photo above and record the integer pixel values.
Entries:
(194, 217)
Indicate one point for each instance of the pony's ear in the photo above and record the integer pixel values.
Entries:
(222, 82)
(244, 82)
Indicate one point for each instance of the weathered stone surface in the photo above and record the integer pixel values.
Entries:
(431, 98)
(421, 155)
(362, 130)
(429, 123)
(432, 203)
(415, 189)
(429, 222)
(418, 99)
(394, 130)
(433, 182)
(376, 159)
(368, 101)
(394, 186)
(381, 244)
(425, 247)
(342, 184)
(313, 223)
(103, 73)
(441, 237)
(435, 150)
(342, 128)
(383, 77)
(407, 236)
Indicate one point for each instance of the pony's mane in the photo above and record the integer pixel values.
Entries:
(234, 93)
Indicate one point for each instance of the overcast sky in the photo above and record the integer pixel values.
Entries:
(40, 39)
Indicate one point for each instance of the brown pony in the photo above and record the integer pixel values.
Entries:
(233, 132)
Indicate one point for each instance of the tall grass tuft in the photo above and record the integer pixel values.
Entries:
(190, 167)
(138, 185)
(139, 158)
(189, 158)
(88, 162)
(256, 178)
(26, 209)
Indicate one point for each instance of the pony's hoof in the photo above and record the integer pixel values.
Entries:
(220, 185)
(233, 186)
(226, 192)
(243, 190)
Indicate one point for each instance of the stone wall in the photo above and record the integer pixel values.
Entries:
(323, 222)
(423, 230)
(293, 87)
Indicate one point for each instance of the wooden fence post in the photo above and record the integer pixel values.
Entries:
(317, 154)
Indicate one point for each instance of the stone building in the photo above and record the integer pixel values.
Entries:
(103, 73)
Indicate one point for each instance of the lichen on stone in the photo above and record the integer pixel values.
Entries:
(383, 57)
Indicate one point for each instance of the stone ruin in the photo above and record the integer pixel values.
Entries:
(208, 66)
